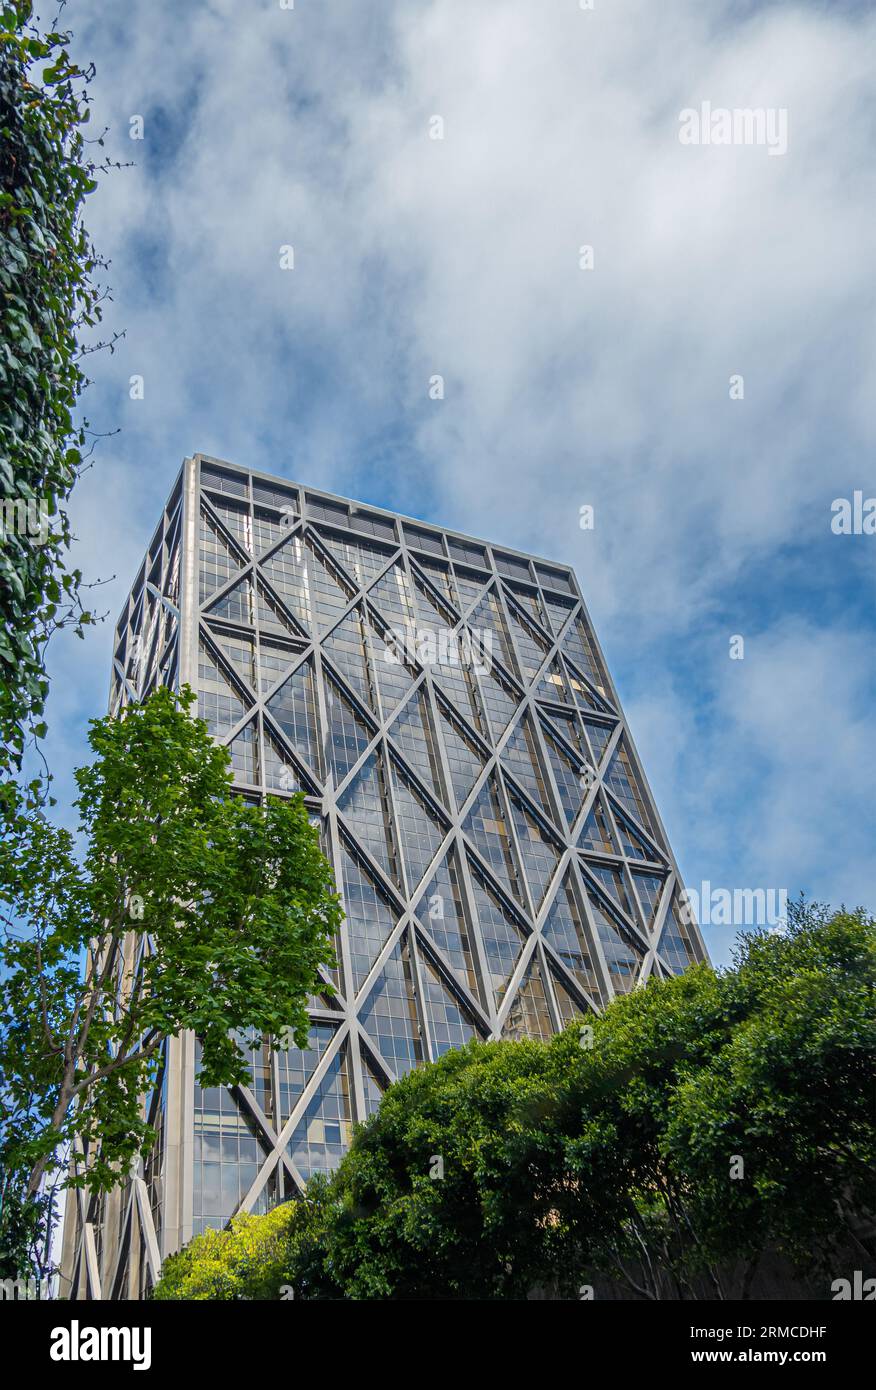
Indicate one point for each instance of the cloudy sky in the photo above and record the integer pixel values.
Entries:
(312, 126)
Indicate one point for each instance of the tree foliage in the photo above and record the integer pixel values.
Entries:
(708, 1120)
(185, 909)
(48, 295)
(244, 1260)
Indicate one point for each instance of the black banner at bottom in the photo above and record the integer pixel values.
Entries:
(63, 1340)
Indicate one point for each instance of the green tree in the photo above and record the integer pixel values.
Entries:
(48, 296)
(435, 1198)
(250, 1258)
(246, 1260)
(612, 1153)
(187, 909)
(791, 1095)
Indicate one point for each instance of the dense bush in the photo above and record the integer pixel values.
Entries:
(707, 1121)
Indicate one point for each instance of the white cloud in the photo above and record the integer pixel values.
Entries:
(460, 256)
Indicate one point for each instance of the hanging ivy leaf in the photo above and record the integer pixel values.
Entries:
(47, 294)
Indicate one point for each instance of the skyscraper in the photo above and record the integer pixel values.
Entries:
(445, 708)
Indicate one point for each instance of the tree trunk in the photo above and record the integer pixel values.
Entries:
(59, 1114)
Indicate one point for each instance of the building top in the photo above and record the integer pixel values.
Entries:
(328, 508)
(271, 494)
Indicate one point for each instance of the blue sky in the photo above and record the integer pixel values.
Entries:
(309, 127)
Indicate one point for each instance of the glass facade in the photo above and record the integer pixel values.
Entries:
(445, 708)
